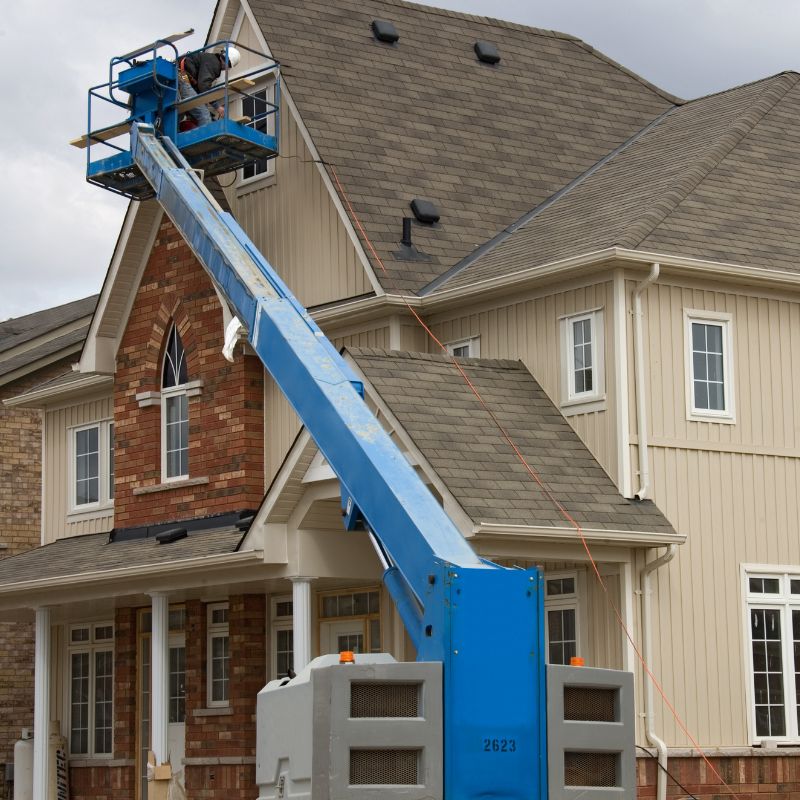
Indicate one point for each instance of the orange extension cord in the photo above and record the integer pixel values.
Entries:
(537, 478)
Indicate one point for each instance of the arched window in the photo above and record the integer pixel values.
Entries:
(174, 410)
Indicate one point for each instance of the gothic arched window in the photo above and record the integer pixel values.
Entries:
(174, 410)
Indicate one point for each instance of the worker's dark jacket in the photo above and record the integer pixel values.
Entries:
(202, 68)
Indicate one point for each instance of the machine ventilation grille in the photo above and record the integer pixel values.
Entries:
(584, 704)
(384, 767)
(384, 699)
(590, 769)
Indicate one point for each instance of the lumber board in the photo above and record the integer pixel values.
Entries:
(102, 135)
(242, 84)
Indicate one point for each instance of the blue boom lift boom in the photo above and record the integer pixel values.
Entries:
(482, 622)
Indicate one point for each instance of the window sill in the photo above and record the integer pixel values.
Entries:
(583, 405)
(100, 761)
(216, 711)
(92, 511)
(256, 183)
(723, 419)
(218, 761)
(165, 487)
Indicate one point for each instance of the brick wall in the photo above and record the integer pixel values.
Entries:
(225, 420)
(751, 777)
(20, 530)
(230, 736)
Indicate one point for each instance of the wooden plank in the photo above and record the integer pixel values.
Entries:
(102, 135)
(193, 102)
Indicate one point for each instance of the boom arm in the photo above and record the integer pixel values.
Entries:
(482, 621)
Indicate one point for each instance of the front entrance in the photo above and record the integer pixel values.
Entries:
(177, 695)
(350, 621)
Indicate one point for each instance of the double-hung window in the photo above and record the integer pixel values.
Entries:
(92, 465)
(218, 655)
(258, 107)
(174, 411)
(282, 636)
(583, 377)
(772, 602)
(561, 616)
(91, 689)
(709, 372)
(465, 348)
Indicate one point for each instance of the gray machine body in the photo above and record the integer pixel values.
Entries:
(359, 731)
(591, 750)
(373, 730)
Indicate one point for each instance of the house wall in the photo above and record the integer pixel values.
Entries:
(60, 519)
(293, 220)
(226, 426)
(528, 328)
(20, 530)
(733, 489)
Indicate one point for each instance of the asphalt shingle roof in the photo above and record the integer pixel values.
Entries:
(79, 555)
(463, 445)
(715, 178)
(425, 119)
(18, 330)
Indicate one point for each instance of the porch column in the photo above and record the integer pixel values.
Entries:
(41, 706)
(301, 622)
(159, 677)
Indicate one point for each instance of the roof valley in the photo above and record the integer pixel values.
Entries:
(707, 162)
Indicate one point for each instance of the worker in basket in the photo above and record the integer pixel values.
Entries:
(196, 74)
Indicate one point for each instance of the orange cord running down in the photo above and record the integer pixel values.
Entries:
(534, 475)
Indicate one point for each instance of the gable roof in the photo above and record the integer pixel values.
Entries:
(454, 433)
(39, 338)
(425, 119)
(714, 179)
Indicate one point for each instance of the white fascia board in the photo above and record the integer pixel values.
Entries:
(569, 534)
(287, 97)
(37, 398)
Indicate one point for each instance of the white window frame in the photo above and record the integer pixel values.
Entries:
(90, 647)
(472, 346)
(105, 487)
(786, 603)
(167, 394)
(268, 86)
(725, 321)
(581, 402)
(572, 601)
(279, 623)
(216, 631)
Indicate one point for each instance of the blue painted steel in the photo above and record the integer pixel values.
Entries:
(484, 622)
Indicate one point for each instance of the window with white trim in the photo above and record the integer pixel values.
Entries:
(282, 636)
(465, 348)
(218, 655)
(258, 108)
(92, 465)
(91, 689)
(174, 410)
(709, 383)
(561, 616)
(773, 624)
(584, 356)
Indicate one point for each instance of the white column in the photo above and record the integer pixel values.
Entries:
(301, 621)
(41, 706)
(159, 692)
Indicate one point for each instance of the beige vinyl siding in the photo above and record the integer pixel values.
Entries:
(57, 521)
(293, 221)
(530, 330)
(732, 488)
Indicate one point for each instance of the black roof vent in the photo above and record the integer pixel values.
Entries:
(385, 31)
(171, 535)
(487, 52)
(425, 211)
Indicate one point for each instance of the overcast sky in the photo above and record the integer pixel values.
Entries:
(58, 232)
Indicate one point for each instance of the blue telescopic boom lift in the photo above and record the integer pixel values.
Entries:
(483, 622)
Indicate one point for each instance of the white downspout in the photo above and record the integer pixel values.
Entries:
(641, 405)
(647, 653)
